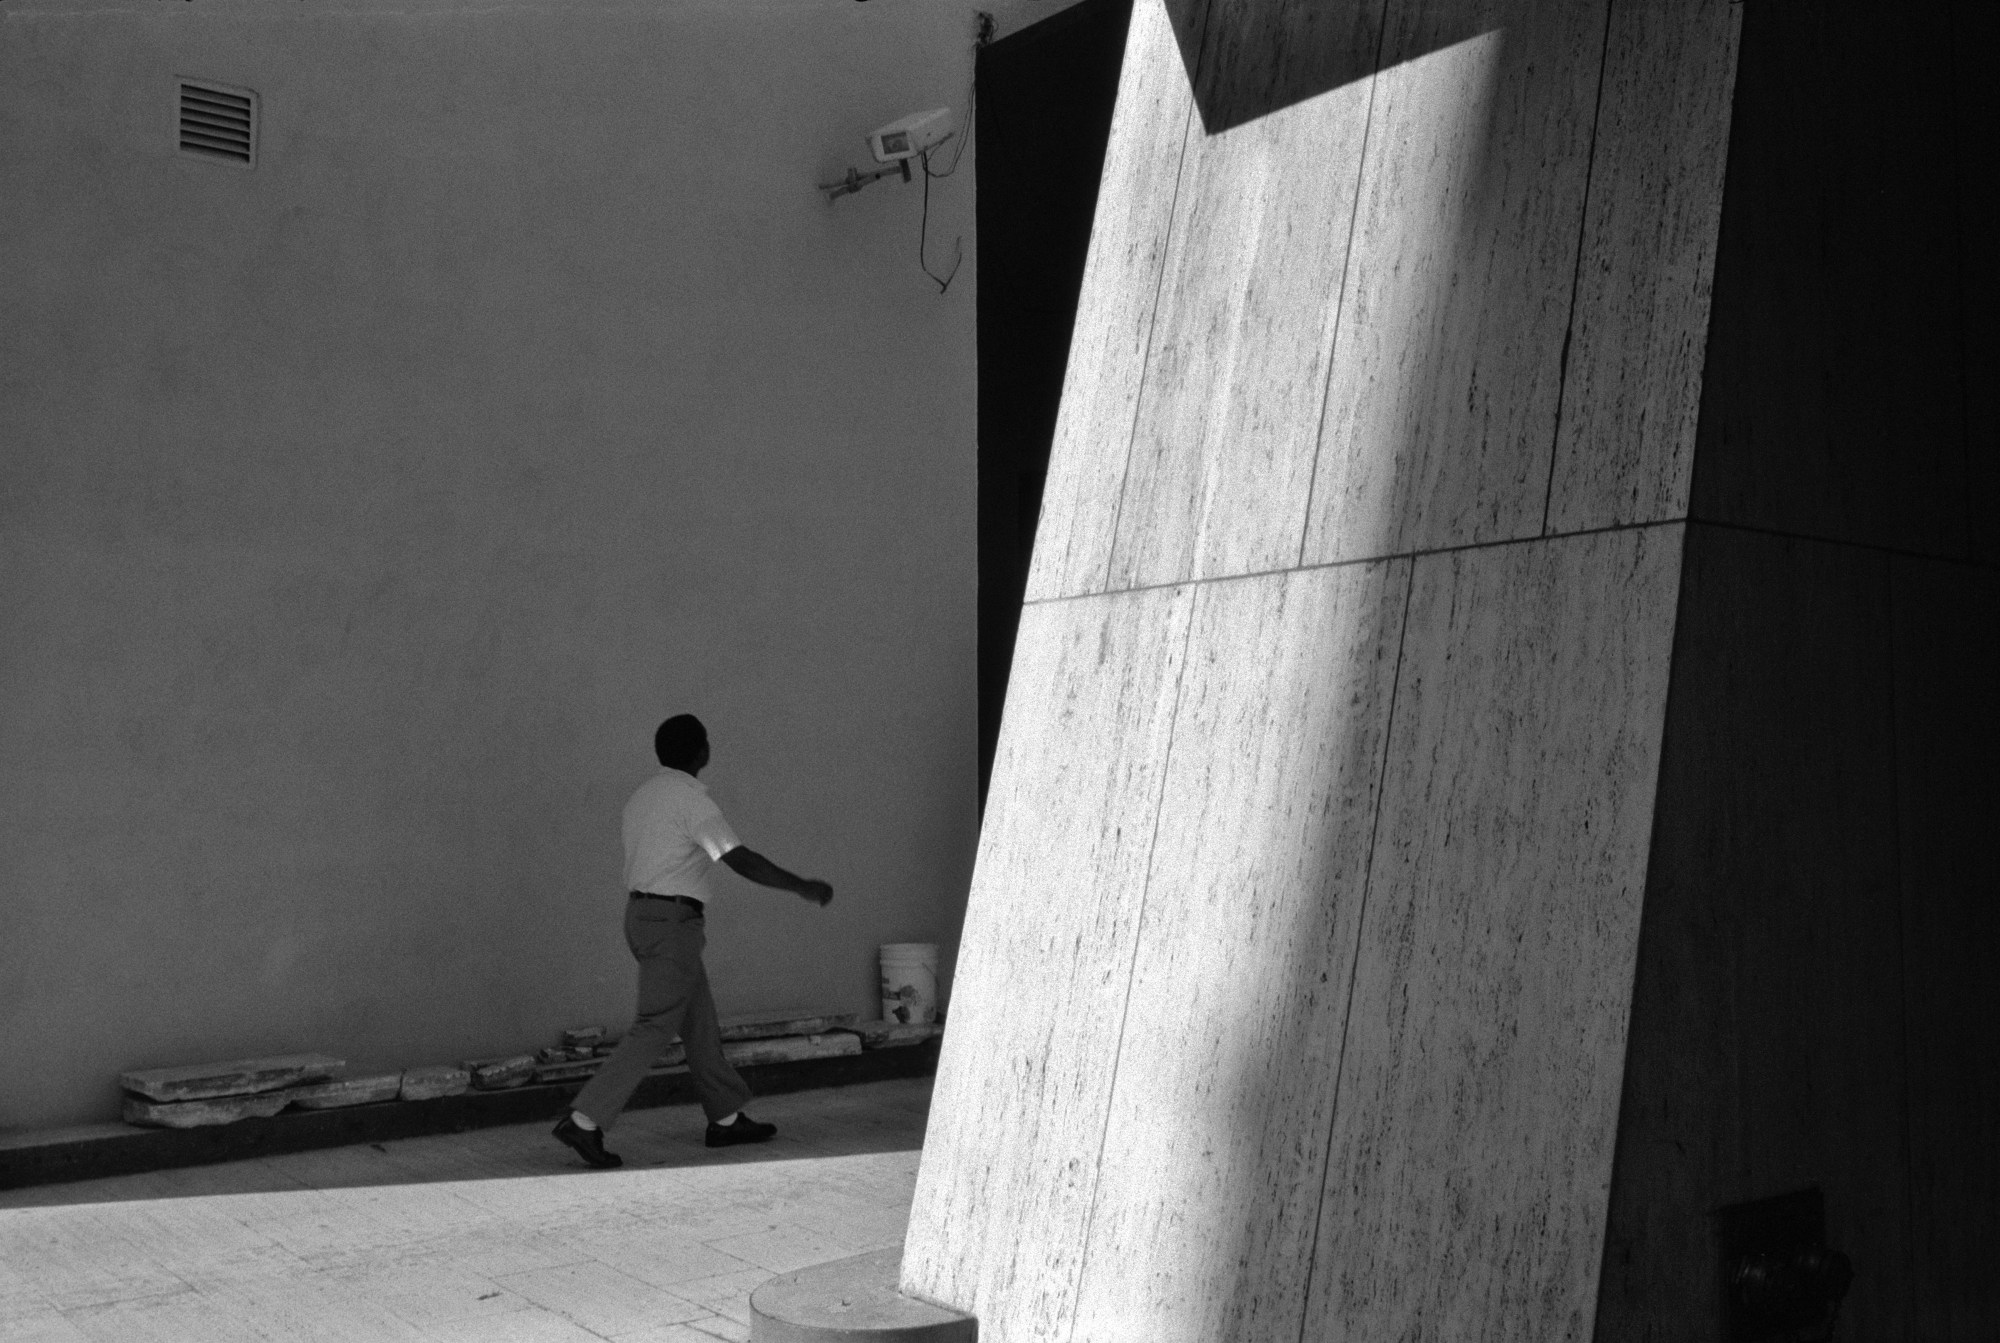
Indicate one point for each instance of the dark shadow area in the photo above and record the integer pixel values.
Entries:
(1249, 58)
(1815, 1003)
(1844, 383)
(1045, 97)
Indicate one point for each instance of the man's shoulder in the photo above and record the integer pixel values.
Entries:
(671, 789)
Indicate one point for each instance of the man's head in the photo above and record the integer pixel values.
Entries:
(682, 743)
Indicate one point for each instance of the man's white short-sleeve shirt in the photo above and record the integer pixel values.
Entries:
(674, 836)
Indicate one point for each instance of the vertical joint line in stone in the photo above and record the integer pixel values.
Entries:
(1159, 283)
(1360, 933)
(1965, 243)
(1346, 274)
(1132, 965)
(1576, 274)
(1902, 901)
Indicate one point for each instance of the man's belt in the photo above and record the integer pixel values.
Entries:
(687, 900)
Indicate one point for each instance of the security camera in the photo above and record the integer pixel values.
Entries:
(910, 136)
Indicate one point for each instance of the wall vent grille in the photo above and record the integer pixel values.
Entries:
(218, 123)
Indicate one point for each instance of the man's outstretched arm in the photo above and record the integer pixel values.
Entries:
(753, 866)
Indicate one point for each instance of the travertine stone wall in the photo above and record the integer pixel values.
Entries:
(1294, 983)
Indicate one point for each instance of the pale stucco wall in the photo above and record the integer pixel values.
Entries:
(362, 513)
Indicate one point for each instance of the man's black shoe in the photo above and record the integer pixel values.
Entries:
(588, 1142)
(744, 1129)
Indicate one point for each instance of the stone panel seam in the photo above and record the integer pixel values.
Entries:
(1132, 963)
(1959, 267)
(1153, 315)
(1902, 925)
(1375, 559)
(1874, 547)
(1346, 274)
(1360, 935)
(1576, 274)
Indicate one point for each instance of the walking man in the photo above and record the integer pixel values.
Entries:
(674, 836)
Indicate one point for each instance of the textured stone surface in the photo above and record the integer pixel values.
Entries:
(202, 1113)
(852, 1301)
(348, 1091)
(782, 1049)
(583, 1037)
(1024, 1077)
(1155, 1118)
(1639, 328)
(1107, 353)
(1478, 1091)
(1440, 411)
(1216, 1136)
(764, 1025)
(507, 1070)
(567, 1070)
(235, 1077)
(1228, 421)
(430, 1082)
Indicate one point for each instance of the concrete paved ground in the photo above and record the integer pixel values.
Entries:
(494, 1236)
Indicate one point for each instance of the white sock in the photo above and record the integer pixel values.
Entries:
(582, 1121)
(728, 1119)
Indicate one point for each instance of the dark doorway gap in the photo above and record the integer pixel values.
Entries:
(1044, 98)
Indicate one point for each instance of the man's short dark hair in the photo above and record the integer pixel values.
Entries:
(679, 740)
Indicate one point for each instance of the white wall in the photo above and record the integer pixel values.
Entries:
(364, 512)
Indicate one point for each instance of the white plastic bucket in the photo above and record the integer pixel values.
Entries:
(909, 981)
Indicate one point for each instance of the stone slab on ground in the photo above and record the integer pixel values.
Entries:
(767, 1025)
(202, 1113)
(348, 1091)
(892, 1034)
(582, 1037)
(852, 1301)
(750, 1053)
(430, 1083)
(232, 1077)
(506, 1070)
(781, 1049)
(55, 1156)
(572, 1070)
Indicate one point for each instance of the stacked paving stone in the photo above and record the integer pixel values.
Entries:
(199, 1094)
(221, 1093)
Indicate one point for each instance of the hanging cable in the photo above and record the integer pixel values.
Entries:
(943, 282)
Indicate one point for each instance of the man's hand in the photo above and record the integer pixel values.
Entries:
(754, 866)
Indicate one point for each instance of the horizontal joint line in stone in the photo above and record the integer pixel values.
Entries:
(1363, 559)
